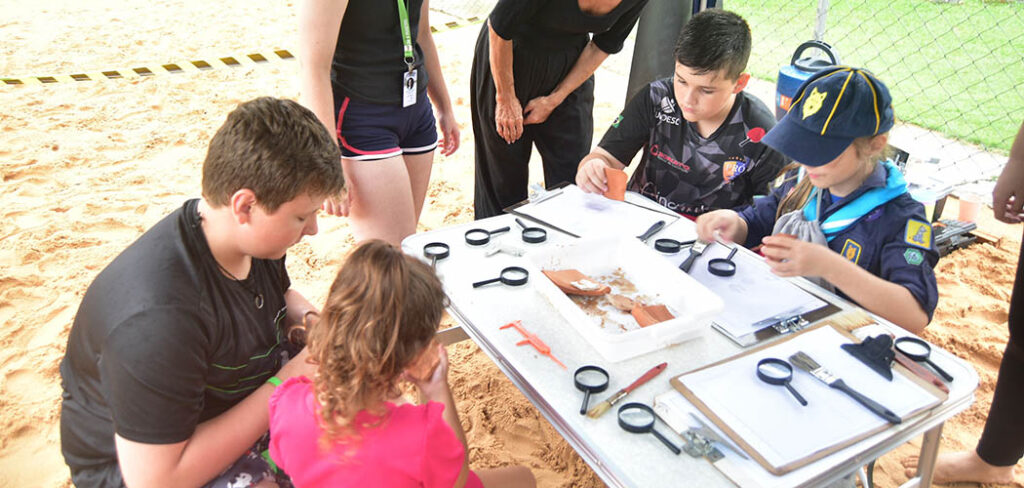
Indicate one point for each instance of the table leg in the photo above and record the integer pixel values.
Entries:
(926, 459)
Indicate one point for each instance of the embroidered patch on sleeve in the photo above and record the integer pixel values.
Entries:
(913, 256)
(918, 234)
(618, 120)
(851, 250)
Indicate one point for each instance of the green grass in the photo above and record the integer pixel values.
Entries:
(957, 69)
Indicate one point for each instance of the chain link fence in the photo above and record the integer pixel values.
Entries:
(955, 67)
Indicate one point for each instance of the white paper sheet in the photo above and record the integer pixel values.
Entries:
(591, 215)
(746, 304)
(771, 421)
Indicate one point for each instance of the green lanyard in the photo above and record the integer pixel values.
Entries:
(403, 21)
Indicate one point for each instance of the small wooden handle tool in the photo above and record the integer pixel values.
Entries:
(604, 406)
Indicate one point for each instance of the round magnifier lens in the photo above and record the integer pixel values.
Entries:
(721, 267)
(667, 246)
(774, 371)
(592, 378)
(534, 235)
(436, 250)
(914, 348)
(477, 237)
(636, 417)
(514, 276)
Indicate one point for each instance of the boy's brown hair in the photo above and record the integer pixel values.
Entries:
(714, 40)
(274, 147)
(382, 311)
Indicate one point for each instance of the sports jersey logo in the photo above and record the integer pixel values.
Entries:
(656, 152)
(668, 105)
(918, 234)
(814, 102)
(732, 168)
(668, 119)
(851, 251)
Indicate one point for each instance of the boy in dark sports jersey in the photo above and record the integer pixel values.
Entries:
(169, 358)
(699, 131)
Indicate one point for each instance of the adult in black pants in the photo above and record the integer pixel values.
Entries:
(1002, 442)
(532, 83)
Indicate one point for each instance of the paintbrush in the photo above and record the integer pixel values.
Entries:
(599, 409)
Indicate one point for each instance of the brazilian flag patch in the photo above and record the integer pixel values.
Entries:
(918, 234)
(618, 120)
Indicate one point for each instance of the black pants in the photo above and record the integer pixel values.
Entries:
(1002, 441)
(502, 169)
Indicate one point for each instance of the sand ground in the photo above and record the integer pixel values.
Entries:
(87, 167)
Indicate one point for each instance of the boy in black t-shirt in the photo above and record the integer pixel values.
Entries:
(167, 364)
(699, 131)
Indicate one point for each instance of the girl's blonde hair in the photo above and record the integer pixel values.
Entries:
(383, 309)
(797, 197)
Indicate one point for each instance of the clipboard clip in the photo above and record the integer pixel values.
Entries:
(792, 324)
(538, 193)
(699, 445)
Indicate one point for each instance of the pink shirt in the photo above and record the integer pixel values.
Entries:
(415, 447)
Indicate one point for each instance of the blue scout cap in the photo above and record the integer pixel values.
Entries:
(831, 109)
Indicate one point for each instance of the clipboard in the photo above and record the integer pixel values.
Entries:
(772, 428)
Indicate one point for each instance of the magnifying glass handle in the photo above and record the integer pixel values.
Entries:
(731, 254)
(433, 262)
(946, 376)
(665, 441)
(586, 401)
(499, 231)
(796, 395)
(520, 222)
(478, 284)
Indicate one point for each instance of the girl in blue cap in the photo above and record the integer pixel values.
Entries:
(842, 215)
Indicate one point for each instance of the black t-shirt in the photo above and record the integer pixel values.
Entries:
(369, 60)
(164, 341)
(560, 24)
(684, 171)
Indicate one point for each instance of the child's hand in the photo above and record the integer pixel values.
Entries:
(436, 387)
(591, 178)
(788, 256)
(727, 224)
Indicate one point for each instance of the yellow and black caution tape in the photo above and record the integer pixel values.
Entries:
(237, 61)
(169, 68)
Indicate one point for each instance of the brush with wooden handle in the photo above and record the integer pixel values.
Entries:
(599, 409)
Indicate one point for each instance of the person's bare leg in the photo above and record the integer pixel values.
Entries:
(418, 166)
(507, 476)
(953, 467)
(381, 199)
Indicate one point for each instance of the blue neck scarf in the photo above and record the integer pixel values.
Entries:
(854, 209)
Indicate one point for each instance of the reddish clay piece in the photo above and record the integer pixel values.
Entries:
(621, 302)
(424, 365)
(565, 278)
(616, 184)
(651, 314)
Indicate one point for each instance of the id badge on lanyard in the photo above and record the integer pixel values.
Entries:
(409, 78)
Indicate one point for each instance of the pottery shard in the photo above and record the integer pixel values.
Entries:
(565, 279)
(621, 302)
(651, 314)
(422, 368)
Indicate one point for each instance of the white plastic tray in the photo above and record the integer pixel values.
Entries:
(615, 334)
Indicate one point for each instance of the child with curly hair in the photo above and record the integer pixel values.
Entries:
(349, 426)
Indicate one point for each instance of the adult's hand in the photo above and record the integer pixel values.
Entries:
(1008, 194)
(339, 205)
(590, 176)
(508, 119)
(538, 109)
(449, 133)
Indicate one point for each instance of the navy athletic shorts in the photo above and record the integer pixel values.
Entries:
(369, 131)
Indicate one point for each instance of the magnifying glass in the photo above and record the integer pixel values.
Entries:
(639, 419)
(590, 379)
(671, 246)
(436, 251)
(778, 372)
(479, 237)
(920, 351)
(723, 267)
(532, 235)
(511, 276)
